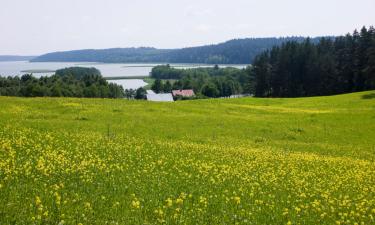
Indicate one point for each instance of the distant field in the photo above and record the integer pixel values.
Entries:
(126, 77)
(150, 81)
(219, 161)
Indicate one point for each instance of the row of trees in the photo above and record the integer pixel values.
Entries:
(69, 82)
(168, 72)
(139, 93)
(209, 82)
(332, 66)
(163, 87)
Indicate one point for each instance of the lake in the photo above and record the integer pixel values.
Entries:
(17, 68)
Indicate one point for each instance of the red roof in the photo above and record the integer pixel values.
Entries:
(184, 93)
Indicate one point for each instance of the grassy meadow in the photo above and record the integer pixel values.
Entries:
(216, 161)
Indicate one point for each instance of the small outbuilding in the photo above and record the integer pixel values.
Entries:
(183, 93)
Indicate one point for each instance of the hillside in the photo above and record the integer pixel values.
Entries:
(216, 161)
(113, 55)
(238, 51)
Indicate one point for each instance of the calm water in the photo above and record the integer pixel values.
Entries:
(107, 70)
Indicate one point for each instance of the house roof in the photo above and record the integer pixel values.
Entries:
(160, 97)
(184, 93)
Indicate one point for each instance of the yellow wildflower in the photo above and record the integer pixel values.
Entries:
(179, 201)
(136, 204)
(169, 202)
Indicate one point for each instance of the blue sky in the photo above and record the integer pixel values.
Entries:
(40, 26)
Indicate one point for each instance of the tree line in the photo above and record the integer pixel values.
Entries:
(331, 66)
(68, 82)
(206, 82)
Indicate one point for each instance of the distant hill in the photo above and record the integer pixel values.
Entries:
(15, 58)
(112, 55)
(237, 51)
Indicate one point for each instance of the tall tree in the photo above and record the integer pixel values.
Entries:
(157, 86)
(331, 66)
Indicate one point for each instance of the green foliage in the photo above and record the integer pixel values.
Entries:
(79, 72)
(167, 72)
(210, 90)
(157, 86)
(167, 87)
(130, 93)
(140, 93)
(227, 81)
(345, 64)
(69, 82)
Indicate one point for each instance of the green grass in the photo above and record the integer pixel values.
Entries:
(216, 161)
(150, 81)
(126, 77)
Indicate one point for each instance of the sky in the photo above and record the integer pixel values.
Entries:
(33, 27)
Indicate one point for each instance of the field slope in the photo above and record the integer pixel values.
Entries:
(220, 161)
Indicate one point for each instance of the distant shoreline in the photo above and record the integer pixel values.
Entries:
(38, 71)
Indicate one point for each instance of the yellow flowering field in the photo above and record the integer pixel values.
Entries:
(219, 161)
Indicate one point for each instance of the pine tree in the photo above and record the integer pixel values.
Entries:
(157, 86)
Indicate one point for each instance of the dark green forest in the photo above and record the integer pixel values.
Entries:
(345, 64)
(238, 51)
(69, 82)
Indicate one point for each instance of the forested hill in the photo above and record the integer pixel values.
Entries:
(112, 55)
(238, 51)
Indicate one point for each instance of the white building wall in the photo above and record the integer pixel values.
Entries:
(160, 97)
